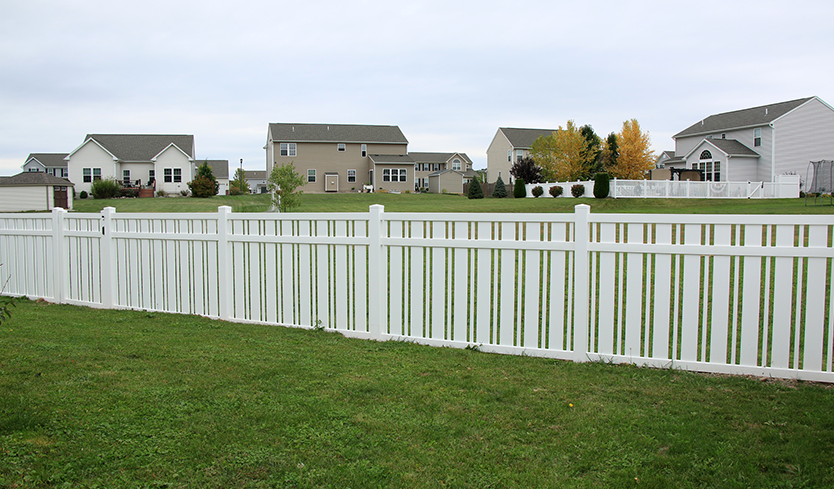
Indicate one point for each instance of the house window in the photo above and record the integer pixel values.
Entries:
(167, 175)
(126, 178)
(509, 155)
(340, 147)
(436, 167)
(96, 174)
(88, 175)
(706, 155)
(311, 176)
(519, 155)
(177, 175)
(151, 176)
(364, 150)
(757, 137)
(456, 164)
(386, 174)
(288, 149)
(394, 175)
(351, 176)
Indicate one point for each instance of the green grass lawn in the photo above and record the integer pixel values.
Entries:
(352, 202)
(99, 398)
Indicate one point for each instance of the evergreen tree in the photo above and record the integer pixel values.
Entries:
(519, 190)
(204, 184)
(475, 190)
(500, 190)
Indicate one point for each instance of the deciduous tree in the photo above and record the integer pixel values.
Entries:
(635, 155)
(563, 156)
(239, 185)
(527, 169)
(283, 183)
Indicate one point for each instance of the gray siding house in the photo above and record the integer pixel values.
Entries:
(428, 164)
(52, 163)
(509, 145)
(759, 143)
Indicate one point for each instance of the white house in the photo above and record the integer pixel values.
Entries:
(510, 144)
(52, 163)
(166, 161)
(759, 143)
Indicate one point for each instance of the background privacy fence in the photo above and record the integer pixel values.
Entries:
(785, 187)
(736, 294)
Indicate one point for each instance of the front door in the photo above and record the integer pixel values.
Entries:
(60, 197)
(331, 182)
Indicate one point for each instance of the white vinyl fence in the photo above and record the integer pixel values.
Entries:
(736, 294)
(785, 187)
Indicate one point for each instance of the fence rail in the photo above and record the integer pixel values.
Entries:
(786, 186)
(735, 294)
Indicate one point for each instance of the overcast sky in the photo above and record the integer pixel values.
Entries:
(448, 73)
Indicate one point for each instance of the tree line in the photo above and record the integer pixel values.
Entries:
(574, 153)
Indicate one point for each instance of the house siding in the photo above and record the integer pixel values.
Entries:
(32, 198)
(497, 163)
(325, 158)
(33, 165)
(804, 135)
(172, 158)
(449, 182)
(90, 155)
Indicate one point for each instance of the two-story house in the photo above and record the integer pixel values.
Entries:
(342, 157)
(164, 160)
(427, 164)
(759, 143)
(51, 163)
(510, 144)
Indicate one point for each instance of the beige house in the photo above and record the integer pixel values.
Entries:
(426, 164)
(509, 145)
(342, 157)
(52, 163)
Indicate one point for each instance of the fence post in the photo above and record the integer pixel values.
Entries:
(376, 277)
(581, 299)
(58, 254)
(224, 273)
(614, 187)
(107, 261)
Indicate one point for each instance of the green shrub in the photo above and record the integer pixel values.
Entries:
(578, 190)
(475, 190)
(161, 193)
(537, 191)
(83, 194)
(500, 190)
(202, 187)
(519, 190)
(555, 191)
(106, 188)
(602, 185)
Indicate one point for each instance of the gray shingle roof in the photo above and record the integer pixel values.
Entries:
(142, 147)
(391, 159)
(754, 116)
(255, 174)
(219, 168)
(733, 147)
(523, 138)
(420, 157)
(337, 133)
(50, 160)
(34, 178)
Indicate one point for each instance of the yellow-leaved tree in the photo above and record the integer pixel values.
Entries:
(563, 156)
(635, 157)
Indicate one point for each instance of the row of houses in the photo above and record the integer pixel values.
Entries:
(754, 144)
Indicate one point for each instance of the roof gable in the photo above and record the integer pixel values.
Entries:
(523, 138)
(754, 116)
(142, 147)
(730, 147)
(336, 133)
(421, 157)
(49, 160)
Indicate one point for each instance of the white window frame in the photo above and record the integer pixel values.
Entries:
(96, 174)
(456, 164)
(168, 175)
(288, 149)
(351, 176)
(519, 154)
(363, 150)
(177, 175)
(386, 174)
(341, 147)
(757, 137)
(88, 175)
(126, 178)
(311, 175)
